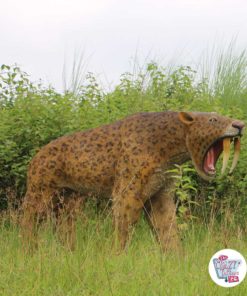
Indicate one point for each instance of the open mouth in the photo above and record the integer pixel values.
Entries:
(215, 150)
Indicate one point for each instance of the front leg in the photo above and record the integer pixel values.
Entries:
(127, 207)
(161, 213)
(131, 190)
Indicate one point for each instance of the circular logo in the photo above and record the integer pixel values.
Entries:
(227, 268)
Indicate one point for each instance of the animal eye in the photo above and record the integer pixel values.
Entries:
(212, 119)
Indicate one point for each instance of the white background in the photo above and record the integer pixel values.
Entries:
(40, 35)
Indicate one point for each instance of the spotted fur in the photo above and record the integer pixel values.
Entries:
(128, 161)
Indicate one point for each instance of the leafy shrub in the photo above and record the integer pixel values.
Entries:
(32, 115)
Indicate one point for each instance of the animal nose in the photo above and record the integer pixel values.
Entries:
(238, 124)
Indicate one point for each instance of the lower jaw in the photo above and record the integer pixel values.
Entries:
(210, 173)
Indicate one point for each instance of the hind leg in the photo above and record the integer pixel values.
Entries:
(36, 206)
(66, 213)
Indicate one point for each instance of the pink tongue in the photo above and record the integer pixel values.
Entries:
(210, 159)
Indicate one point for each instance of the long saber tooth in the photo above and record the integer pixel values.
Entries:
(236, 154)
(226, 154)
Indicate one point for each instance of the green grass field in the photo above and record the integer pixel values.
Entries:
(94, 268)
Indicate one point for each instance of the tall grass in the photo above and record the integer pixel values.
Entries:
(74, 76)
(224, 71)
(93, 268)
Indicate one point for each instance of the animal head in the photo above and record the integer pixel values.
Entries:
(207, 136)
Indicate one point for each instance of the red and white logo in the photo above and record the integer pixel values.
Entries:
(227, 268)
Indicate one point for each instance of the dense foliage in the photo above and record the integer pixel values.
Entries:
(31, 115)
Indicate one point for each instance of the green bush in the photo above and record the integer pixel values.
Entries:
(31, 115)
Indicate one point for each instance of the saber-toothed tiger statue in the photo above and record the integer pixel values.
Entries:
(129, 161)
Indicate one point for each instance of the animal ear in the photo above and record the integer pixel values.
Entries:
(185, 117)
